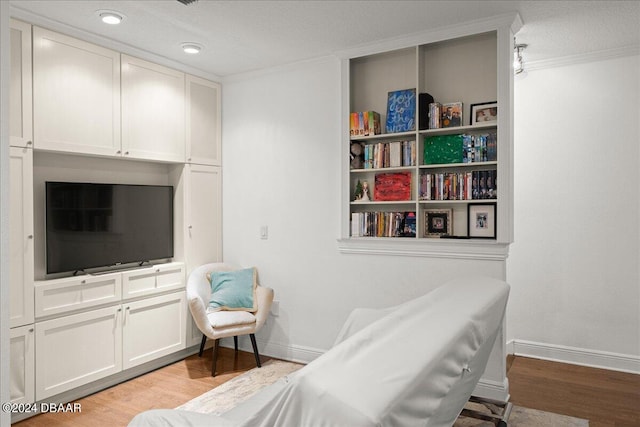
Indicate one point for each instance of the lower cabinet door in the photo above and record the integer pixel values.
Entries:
(75, 350)
(153, 327)
(22, 364)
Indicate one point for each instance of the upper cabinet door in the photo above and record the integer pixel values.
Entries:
(21, 124)
(76, 92)
(152, 111)
(203, 121)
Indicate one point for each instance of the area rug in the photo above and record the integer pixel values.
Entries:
(227, 395)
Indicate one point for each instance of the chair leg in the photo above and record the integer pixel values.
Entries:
(202, 343)
(216, 344)
(255, 349)
(235, 343)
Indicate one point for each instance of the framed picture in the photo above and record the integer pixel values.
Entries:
(451, 115)
(438, 222)
(481, 219)
(484, 113)
(401, 111)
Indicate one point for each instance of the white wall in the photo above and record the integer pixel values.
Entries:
(574, 266)
(281, 168)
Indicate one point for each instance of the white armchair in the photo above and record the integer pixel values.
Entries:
(222, 324)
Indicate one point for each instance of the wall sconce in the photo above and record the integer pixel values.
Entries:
(518, 65)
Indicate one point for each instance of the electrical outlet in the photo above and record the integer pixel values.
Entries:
(275, 308)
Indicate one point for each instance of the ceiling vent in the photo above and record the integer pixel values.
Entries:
(187, 2)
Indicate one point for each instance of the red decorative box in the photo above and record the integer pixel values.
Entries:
(392, 187)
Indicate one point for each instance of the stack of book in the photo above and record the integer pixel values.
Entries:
(469, 185)
(365, 123)
(383, 224)
(389, 154)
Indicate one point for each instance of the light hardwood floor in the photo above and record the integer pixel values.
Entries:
(606, 398)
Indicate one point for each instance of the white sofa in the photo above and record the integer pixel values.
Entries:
(414, 364)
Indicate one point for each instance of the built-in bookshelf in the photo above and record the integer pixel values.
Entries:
(459, 174)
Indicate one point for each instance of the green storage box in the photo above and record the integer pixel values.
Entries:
(442, 149)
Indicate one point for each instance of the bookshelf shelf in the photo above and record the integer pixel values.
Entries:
(457, 165)
(467, 64)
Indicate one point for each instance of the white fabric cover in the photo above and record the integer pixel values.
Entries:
(417, 365)
(223, 319)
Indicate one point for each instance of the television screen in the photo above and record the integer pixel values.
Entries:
(100, 225)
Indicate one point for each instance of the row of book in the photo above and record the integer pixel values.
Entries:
(470, 185)
(365, 123)
(480, 148)
(389, 154)
(460, 148)
(383, 224)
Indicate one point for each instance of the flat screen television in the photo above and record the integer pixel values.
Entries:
(101, 225)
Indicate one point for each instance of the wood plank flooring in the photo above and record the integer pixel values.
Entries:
(605, 398)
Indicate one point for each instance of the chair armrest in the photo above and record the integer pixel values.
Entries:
(265, 298)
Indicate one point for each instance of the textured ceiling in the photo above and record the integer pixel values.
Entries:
(242, 36)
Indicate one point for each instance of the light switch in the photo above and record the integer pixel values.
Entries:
(264, 232)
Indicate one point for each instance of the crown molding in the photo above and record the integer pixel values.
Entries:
(582, 58)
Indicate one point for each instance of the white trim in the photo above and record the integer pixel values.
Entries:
(439, 248)
(492, 390)
(298, 354)
(576, 356)
(511, 20)
(582, 58)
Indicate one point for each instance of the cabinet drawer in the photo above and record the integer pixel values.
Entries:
(70, 294)
(152, 280)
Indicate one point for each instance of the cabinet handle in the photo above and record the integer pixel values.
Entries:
(126, 153)
(118, 152)
(83, 282)
(120, 309)
(31, 330)
(29, 142)
(30, 236)
(189, 159)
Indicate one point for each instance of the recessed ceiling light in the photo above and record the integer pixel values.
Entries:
(110, 17)
(191, 48)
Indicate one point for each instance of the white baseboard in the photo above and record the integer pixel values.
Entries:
(492, 390)
(575, 356)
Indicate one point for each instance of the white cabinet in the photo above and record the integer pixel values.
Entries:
(153, 113)
(21, 236)
(152, 280)
(153, 327)
(77, 349)
(203, 121)
(203, 213)
(76, 95)
(54, 297)
(22, 364)
(20, 116)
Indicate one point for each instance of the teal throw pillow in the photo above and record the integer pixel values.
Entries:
(233, 290)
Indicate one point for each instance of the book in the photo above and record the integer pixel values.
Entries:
(401, 111)
(364, 123)
(451, 115)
